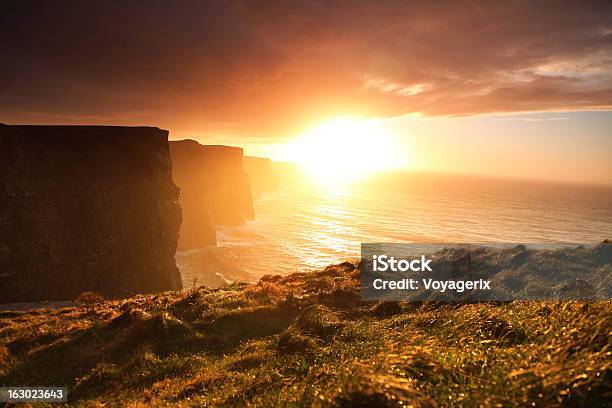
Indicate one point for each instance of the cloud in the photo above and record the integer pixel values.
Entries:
(404, 90)
(271, 67)
(536, 119)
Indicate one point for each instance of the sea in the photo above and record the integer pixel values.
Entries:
(303, 227)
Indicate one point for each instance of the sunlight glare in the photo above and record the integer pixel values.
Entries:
(346, 149)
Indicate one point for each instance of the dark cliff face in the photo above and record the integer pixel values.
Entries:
(214, 190)
(86, 208)
(262, 174)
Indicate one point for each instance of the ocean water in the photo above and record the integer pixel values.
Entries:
(301, 230)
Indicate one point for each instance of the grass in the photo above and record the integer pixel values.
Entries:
(308, 340)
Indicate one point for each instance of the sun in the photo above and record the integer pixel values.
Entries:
(345, 149)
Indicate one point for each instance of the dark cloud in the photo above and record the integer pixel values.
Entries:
(269, 67)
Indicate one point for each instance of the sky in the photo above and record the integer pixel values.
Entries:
(512, 85)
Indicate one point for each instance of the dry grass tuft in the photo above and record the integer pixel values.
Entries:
(89, 298)
(319, 320)
(293, 341)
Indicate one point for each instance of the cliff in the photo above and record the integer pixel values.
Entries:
(86, 208)
(214, 190)
(262, 174)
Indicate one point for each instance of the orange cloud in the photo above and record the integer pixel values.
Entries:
(270, 68)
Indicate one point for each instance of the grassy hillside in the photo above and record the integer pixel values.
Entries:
(308, 339)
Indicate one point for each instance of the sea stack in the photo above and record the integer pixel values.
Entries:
(86, 208)
(215, 190)
(262, 174)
